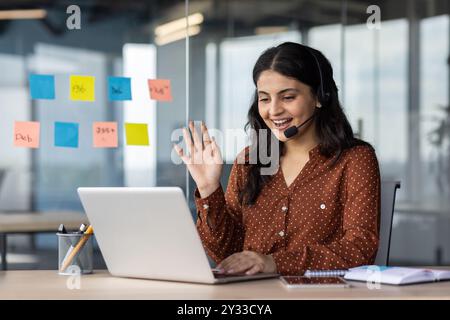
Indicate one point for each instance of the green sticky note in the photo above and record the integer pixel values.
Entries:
(136, 134)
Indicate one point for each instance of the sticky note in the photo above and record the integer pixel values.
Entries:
(160, 89)
(82, 88)
(66, 134)
(105, 134)
(119, 88)
(42, 86)
(136, 134)
(26, 134)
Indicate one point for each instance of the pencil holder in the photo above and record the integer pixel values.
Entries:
(74, 253)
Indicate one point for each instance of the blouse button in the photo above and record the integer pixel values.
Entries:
(284, 208)
(205, 206)
(322, 206)
(281, 233)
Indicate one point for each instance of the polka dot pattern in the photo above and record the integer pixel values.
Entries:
(328, 218)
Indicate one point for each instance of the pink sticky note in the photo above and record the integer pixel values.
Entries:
(160, 89)
(105, 134)
(26, 134)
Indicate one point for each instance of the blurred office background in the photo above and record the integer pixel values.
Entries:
(394, 84)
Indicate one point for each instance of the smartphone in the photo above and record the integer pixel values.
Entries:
(292, 282)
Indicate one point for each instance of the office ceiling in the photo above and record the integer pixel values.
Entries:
(242, 14)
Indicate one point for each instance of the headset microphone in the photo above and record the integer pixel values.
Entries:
(292, 131)
(323, 96)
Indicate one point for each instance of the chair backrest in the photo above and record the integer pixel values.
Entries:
(388, 191)
(2, 175)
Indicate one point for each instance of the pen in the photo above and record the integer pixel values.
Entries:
(77, 248)
(62, 229)
(81, 230)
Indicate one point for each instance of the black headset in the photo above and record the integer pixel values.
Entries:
(324, 96)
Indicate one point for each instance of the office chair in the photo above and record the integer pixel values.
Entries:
(2, 176)
(388, 191)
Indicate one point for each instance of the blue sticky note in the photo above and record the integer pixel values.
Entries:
(119, 88)
(66, 134)
(42, 86)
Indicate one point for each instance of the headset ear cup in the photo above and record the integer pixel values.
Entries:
(326, 97)
(323, 97)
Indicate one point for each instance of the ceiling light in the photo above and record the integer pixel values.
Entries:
(178, 35)
(177, 25)
(22, 14)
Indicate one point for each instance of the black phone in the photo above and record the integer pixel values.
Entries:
(314, 282)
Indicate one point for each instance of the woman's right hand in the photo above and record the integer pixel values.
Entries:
(204, 160)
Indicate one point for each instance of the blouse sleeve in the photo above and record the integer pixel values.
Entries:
(219, 221)
(359, 243)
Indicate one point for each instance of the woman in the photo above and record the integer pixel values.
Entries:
(321, 208)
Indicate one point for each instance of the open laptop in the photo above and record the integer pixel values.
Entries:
(149, 233)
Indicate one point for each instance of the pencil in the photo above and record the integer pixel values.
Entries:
(78, 247)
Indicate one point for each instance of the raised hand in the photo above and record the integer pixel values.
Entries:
(203, 159)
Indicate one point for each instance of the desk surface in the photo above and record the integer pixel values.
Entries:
(100, 285)
(17, 222)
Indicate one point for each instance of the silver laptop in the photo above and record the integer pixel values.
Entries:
(150, 233)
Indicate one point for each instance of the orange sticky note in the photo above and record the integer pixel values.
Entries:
(26, 134)
(160, 89)
(105, 134)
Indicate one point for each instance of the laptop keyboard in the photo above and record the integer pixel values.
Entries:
(218, 275)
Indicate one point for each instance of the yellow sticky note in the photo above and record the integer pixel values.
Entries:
(136, 134)
(82, 88)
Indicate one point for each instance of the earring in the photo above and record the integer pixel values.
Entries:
(319, 105)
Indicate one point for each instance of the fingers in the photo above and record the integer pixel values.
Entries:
(216, 152)
(241, 266)
(202, 147)
(254, 270)
(181, 154)
(226, 262)
(205, 134)
(242, 262)
(197, 142)
(188, 141)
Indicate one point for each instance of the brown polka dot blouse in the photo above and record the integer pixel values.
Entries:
(328, 218)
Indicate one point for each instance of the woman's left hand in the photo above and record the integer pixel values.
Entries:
(249, 262)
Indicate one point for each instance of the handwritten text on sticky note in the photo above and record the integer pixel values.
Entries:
(105, 134)
(160, 89)
(82, 88)
(136, 134)
(119, 88)
(26, 134)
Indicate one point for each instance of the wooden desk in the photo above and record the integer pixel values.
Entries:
(34, 222)
(100, 285)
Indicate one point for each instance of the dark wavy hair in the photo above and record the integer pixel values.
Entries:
(332, 127)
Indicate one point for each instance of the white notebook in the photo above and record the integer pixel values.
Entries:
(396, 275)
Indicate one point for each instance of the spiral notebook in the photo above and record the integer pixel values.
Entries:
(325, 273)
(397, 275)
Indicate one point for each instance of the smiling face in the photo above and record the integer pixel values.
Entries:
(284, 102)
